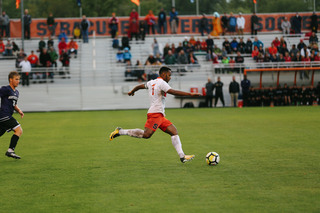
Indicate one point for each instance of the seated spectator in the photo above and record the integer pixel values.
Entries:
(214, 59)
(283, 49)
(227, 46)
(41, 45)
(313, 39)
(156, 47)
(255, 53)
(189, 48)
(297, 58)
(225, 60)
(72, 48)
(182, 58)
(65, 60)
(8, 50)
(185, 43)
(281, 58)
(276, 42)
(139, 72)
(315, 48)
(63, 35)
(45, 61)
(158, 58)
(192, 41)
(178, 49)
(170, 58)
(150, 60)
(249, 46)
(217, 51)
(301, 45)
(166, 49)
(173, 48)
(50, 42)
(257, 42)
(126, 55)
(62, 46)
(20, 57)
(239, 60)
(2, 47)
(242, 46)
(119, 56)
(15, 48)
(192, 58)
(125, 43)
(234, 45)
(274, 58)
(261, 50)
(260, 58)
(304, 51)
(294, 50)
(76, 32)
(204, 45)
(54, 56)
(266, 57)
(287, 57)
(317, 57)
(197, 45)
(33, 59)
(273, 49)
(115, 42)
(282, 42)
(129, 72)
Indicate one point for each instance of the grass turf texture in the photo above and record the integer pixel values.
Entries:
(269, 163)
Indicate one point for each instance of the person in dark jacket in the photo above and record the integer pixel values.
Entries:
(162, 22)
(245, 85)
(27, 22)
(219, 92)
(254, 24)
(296, 23)
(203, 25)
(314, 22)
(51, 24)
(209, 93)
(234, 89)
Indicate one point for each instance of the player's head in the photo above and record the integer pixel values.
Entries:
(14, 78)
(165, 73)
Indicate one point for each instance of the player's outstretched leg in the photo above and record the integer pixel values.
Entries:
(187, 158)
(114, 134)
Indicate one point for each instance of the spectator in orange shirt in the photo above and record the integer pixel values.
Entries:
(33, 59)
(151, 20)
(72, 48)
(273, 49)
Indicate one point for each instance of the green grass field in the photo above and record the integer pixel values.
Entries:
(269, 163)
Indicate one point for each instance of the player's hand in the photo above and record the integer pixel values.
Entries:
(21, 114)
(195, 94)
(131, 93)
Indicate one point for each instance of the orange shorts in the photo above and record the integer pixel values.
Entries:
(157, 120)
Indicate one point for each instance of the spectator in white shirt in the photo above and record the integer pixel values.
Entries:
(240, 24)
(25, 70)
(286, 25)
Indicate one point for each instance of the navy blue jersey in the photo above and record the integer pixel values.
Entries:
(9, 98)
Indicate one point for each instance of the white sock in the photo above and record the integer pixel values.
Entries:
(137, 133)
(177, 145)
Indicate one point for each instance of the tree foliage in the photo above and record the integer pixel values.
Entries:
(102, 8)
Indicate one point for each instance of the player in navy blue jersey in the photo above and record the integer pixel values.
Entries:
(9, 99)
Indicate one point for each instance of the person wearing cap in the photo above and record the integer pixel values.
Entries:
(126, 55)
(240, 24)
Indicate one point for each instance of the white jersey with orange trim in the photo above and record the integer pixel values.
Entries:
(157, 90)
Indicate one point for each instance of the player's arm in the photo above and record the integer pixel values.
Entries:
(181, 93)
(19, 110)
(138, 87)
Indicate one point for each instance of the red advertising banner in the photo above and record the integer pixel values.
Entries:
(187, 25)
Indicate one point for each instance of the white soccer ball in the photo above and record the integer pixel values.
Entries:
(212, 158)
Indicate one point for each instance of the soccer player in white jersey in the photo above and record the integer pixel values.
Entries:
(157, 89)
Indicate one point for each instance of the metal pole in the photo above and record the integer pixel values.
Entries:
(81, 12)
(173, 3)
(197, 7)
(0, 6)
(22, 26)
(139, 10)
(314, 5)
(255, 7)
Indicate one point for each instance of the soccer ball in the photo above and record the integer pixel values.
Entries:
(212, 158)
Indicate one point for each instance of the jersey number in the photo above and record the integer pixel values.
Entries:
(153, 85)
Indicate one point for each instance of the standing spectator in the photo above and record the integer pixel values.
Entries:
(203, 25)
(25, 71)
(113, 25)
(33, 59)
(85, 25)
(240, 24)
(51, 24)
(209, 93)
(72, 48)
(217, 29)
(162, 21)
(5, 26)
(151, 21)
(174, 20)
(234, 90)
(133, 23)
(26, 23)
(245, 86)
(219, 92)
(286, 26)
(232, 24)
(314, 22)
(224, 24)
(254, 24)
(296, 23)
